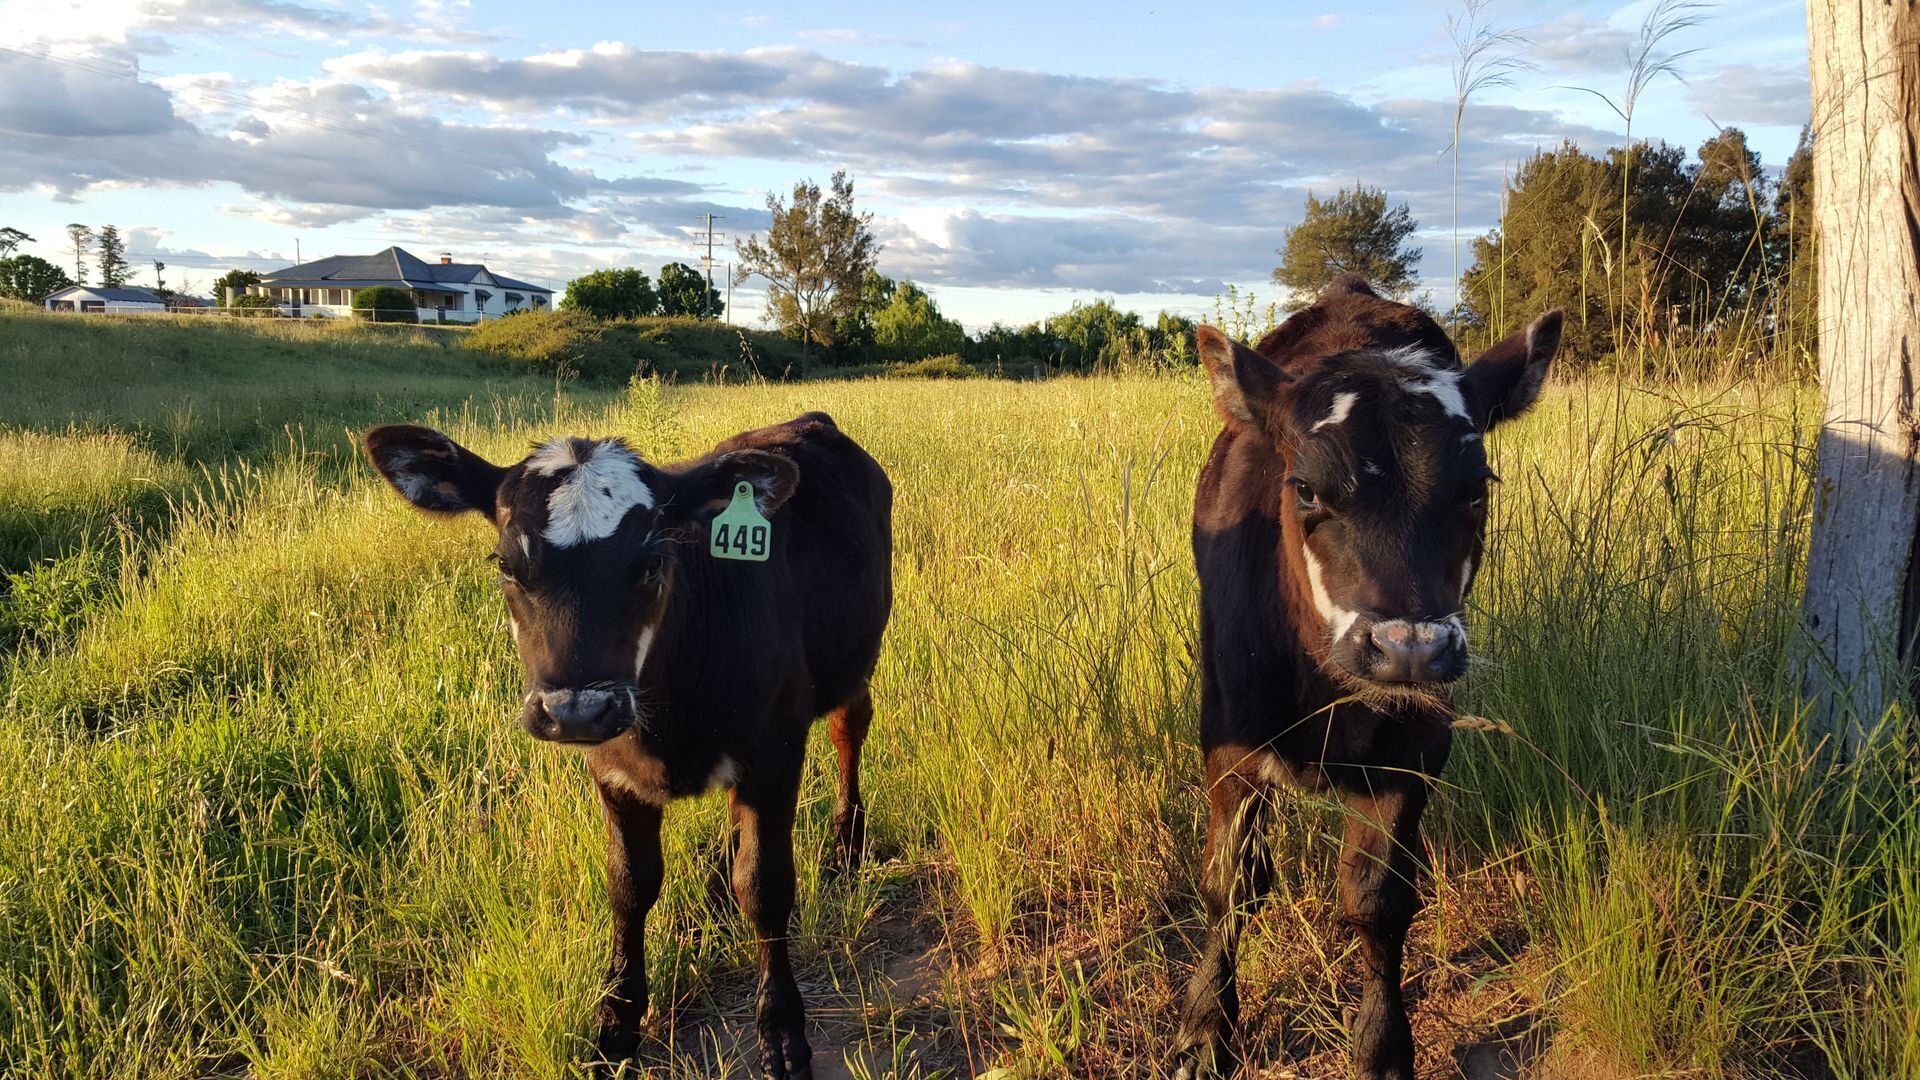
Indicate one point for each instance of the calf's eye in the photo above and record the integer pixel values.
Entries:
(1309, 499)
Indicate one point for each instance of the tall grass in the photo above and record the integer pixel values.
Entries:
(262, 809)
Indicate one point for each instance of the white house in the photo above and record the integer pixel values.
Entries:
(99, 300)
(445, 291)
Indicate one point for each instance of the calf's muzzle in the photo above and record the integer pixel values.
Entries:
(577, 716)
(1406, 651)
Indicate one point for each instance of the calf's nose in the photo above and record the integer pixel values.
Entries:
(1417, 652)
(572, 716)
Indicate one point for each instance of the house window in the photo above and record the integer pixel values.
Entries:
(337, 297)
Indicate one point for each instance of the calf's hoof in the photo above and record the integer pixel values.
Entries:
(786, 1056)
(614, 1048)
(1205, 1059)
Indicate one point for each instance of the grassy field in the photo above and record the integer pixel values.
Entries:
(263, 810)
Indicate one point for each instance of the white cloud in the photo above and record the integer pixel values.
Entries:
(1751, 94)
(1009, 177)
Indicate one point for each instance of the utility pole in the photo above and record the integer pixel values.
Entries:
(706, 262)
(728, 317)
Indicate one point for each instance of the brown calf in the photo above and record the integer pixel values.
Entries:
(1337, 528)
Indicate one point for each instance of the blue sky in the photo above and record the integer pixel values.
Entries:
(1017, 156)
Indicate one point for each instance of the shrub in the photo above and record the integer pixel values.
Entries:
(384, 303)
(947, 366)
(254, 306)
(569, 343)
(47, 601)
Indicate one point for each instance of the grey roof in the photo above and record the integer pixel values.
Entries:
(394, 265)
(516, 283)
(124, 296)
(337, 283)
(390, 265)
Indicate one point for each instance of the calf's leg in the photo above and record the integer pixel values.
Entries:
(634, 873)
(847, 728)
(1380, 854)
(1238, 872)
(763, 884)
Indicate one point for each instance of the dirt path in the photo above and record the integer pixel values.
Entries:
(875, 1009)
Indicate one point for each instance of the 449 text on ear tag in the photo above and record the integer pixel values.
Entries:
(740, 532)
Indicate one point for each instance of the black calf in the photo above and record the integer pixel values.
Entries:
(677, 669)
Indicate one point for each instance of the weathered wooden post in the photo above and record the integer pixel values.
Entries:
(1862, 605)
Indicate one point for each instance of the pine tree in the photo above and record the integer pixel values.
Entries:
(82, 238)
(114, 270)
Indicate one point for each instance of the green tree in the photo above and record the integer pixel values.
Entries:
(29, 277)
(684, 291)
(1793, 299)
(816, 253)
(11, 238)
(1090, 334)
(233, 284)
(112, 257)
(1554, 247)
(81, 236)
(853, 330)
(611, 294)
(1172, 338)
(910, 327)
(1354, 232)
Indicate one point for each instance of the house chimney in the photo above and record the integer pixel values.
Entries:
(446, 258)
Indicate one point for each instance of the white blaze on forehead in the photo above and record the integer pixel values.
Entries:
(1342, 405)
(596, 494)
(1421, 373)
(1339, 619)
(1411, 357)
(1444, 386)
(553, 456)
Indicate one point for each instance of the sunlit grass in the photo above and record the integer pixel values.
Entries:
(262, 807)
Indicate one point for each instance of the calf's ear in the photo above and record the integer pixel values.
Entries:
(432, 471)
(1505, 381)
(704, 490)
(1246, 385)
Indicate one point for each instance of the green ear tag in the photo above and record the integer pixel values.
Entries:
(740, 532)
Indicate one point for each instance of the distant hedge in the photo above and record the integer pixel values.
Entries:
(576, 345)
(384, 303)
(254, 306)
